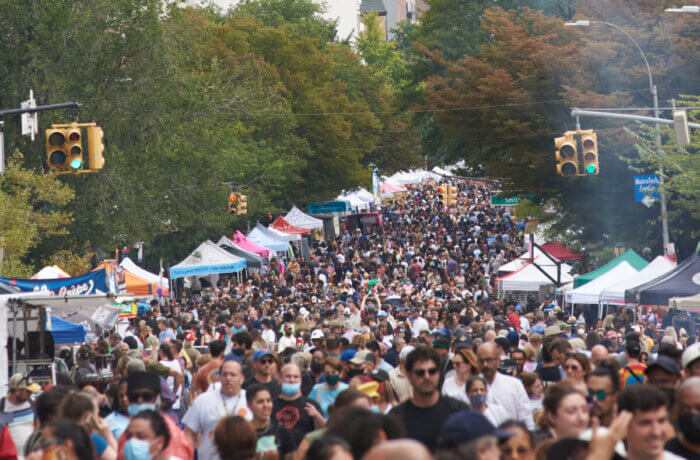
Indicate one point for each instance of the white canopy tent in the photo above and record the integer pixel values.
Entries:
(284, 236)
(129, 265)
(208, 259)
(530, 278)
(354, 201)
(616, 293)
(50, 272)
(300, 219)
(691, 303)
(524, 259)
(589, 293)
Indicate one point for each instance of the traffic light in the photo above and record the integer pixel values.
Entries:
(567, 159)
(232, 199)
(56, 154)
(95, 147)
(242, 207)
(442, 190)
(589, 149)
(451, 196)
(74, 147)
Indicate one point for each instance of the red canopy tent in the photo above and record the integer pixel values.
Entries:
(558, 251)
(283, 226)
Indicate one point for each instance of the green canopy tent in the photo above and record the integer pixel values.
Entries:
(635, 260)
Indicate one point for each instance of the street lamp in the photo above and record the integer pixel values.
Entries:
(652, 90)
(684, 9)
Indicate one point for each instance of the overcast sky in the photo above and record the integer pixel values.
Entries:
(345, 11)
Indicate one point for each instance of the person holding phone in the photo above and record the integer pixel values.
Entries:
(81, 409)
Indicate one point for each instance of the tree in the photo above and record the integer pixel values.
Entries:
(32, 208)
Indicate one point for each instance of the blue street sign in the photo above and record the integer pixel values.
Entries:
(646, 186)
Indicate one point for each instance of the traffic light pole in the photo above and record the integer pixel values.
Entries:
(20, 111)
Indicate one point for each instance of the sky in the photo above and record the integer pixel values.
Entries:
(346, 11)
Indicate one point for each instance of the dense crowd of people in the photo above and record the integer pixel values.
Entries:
(387, 342)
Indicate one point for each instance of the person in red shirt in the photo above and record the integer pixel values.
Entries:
(513, 317)
(8, 451)
(217, 349)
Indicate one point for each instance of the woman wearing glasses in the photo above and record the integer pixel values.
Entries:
(520, 446)
(577, 368)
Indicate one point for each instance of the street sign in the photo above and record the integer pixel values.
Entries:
(646, 189)
(508, 200)
(328, 207)
(30, 121)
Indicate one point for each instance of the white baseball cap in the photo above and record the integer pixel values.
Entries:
(317, 334)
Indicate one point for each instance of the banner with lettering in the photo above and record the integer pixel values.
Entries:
(96, 282)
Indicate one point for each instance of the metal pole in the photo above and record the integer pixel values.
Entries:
(40, 108)
(14, 336)
(2, 150)
(664, 215)
(622, 116)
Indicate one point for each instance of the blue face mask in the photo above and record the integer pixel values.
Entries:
(135, 408)
(477, 401)
(137, 449)
(291, 389)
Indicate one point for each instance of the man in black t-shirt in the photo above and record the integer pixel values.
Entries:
(292, 410)
(263, 363)
(687, 441)
(424, 414)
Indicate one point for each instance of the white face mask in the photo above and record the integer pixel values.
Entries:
(581, 331)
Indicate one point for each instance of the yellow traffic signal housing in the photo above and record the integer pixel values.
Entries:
(567, 158)
(74, 147)
(242, 207)
(589, 150)
(442, 190)
(56, 153)
(232, 200)
(96, 148)
(451, 196)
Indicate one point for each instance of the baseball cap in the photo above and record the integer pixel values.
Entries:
(347, 355)
(381, 313)
(441, 341)
(190, 337)
(665, 363)
(19, 382)
(316, 334)
(690, 355)
(443, 331)
(260, 353)
(362, 357)
(466, 426)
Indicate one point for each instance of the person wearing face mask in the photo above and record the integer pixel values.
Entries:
(300, 415)
(143, 392)
(325, 393)
(147, 438)
(476, 391)
(687, 441)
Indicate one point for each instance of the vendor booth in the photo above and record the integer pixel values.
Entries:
(253, 261)
(50, 272)
(208, 259)
(65, 332)
(632, 258)
(616, 292)
(128, 265)
(589, 293)
(133, 284)
(249, 245)
(299, 219)
(683, 281)
(559, 251)
(280, 224)
(263, 237)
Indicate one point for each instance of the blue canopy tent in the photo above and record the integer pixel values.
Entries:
(207, 259)
(264, 237)
(66, 332)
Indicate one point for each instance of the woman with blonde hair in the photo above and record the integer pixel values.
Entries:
(466, 366)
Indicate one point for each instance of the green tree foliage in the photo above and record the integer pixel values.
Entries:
(32, 208)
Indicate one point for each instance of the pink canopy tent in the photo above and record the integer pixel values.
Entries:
(285, 227)
(250, 246)
(388, 187)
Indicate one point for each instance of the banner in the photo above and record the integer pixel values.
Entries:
(127, 310)
(97, 282)
(646, 186)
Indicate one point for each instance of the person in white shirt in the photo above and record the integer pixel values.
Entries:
(209, 407)
(503, 390)
(287, 340)
(17, 408)
(419, 324)
(476, 390)
(268, 335)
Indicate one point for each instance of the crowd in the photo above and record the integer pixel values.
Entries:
(389, 342)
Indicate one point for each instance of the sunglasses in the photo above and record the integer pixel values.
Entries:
(599, 395)
(266, 361)
(423, 372)
(147, 396)
(572, 368)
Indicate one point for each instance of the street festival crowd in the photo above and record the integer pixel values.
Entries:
(386, 343)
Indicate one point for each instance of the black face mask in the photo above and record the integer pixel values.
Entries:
(238, 351)
(316, 367)
(690, 427)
